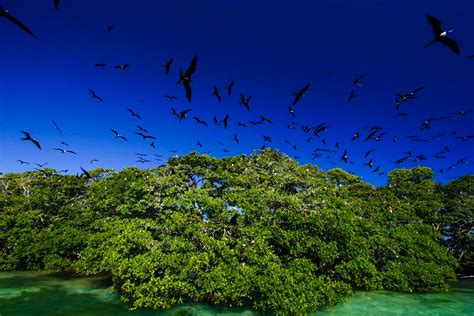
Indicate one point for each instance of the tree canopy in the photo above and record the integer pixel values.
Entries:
(258, 230)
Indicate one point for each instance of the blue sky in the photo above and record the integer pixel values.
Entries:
(269, 48)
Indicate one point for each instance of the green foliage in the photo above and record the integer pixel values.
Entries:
(255, 230)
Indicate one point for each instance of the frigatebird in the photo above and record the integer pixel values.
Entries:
(100, 65)
(95, 96)
(267, 138)
(152, 145)
(199, 121)
(41, 165)
(351, 96)
(23, 162)
(291, 112)
(110, 28)
(134, 114)
(300, 94)
(216, 94)
(5, 14)
(117, 135)
(180, 115)
(225, 121)
(185, 78)
(167, 66)
(28, 137)
(122, 67)
(441, 36)
(141, 129)
(56, 126)
(65, 151)
(245, 101)
(229, 88)
(145, 136)
(236, 139)
(85, 173)
(94, 160)
(344, 156)
(170, 97)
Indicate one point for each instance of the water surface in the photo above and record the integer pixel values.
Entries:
(40, 293)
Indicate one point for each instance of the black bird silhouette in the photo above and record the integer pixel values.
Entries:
(265, 120)
(344, 156)
(57, 127)
(167, 66)
(185, 78)
(141, 129)
(122, 67)
(56, 4)
(236, 139)
(134, 114)
(240, 124)
(23, 162)
(216, 94)
(245, 101)
(145, 136)
(65, 151)
(5, 14)
(85, 174)
(180, 115)
(351, 96)
(267, 138)
(369, 164)
(199, 121)
(199, 144)
(117, 135)
(171, 97)
(229, 88)
(358, 80)
(441, 36)
(95, 96)
(28, 137)
(94, 160)
(355, 136)
(110, 28)
(300, 94)
(464, 138)
(367, 153)
(401, 114)
(153, 145)
(225, 121)
(463, 112)
(41, 165)
(100, 65)
(291, 112)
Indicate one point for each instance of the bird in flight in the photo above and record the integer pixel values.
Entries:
(100, 65)
(225, 121)
(229, 88)
(216, 94)
(236, 139)
(351, 96)
(300, 94)
(145, 136)
(245, 101)
(28, 137)
(57, 127)
(122, 67)
(65, 151)
(171, 97)
(134, 114)
(185, 78)
(358, 80)
(23, 162)
(167, 66)
(199, 121)
(441, 36)
(110, 28)
(5, 14)
(180, 115)
(95, 96)
(344, 156)
(85, 174)
(117, 135)
(94, 160)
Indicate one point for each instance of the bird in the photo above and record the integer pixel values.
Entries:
(23, 162)
(65, 151)
(225, 121)
(85, 173)
(185, 78)
(122, 67)
(95, 96)
(358, 80)
(134, 114)
(300, 94)
(344, 156)
(267, 138)
(180, 115)
(236, 139)
(145, 136)
(351, 96)
(441, 36)
(167, 66)
(369, 164)
(199, 144)
(240, 124)
(171, 97)
(367, 153)
(94, 160)
(110, 28)
(100, 65)
(5, 14)
(229, 87)
(28, 137)
(245, 101)
(41, 165)
(216, 94)
(117, 135)
(263, 119)
(355, 136)
(153, 145)
(199, 121)
(141, 129)
(57, 127)
(291, 112)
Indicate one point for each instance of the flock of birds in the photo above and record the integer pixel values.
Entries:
(366, 134)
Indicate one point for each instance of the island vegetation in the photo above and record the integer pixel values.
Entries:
(257, 230)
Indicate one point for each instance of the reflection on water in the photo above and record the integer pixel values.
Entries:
(39, 293)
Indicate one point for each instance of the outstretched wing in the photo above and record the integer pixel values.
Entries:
(435, 24)
(451, 44)
(192, 67)
(187, 88)
(12, 19)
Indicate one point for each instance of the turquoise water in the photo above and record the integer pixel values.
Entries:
(38, 293)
